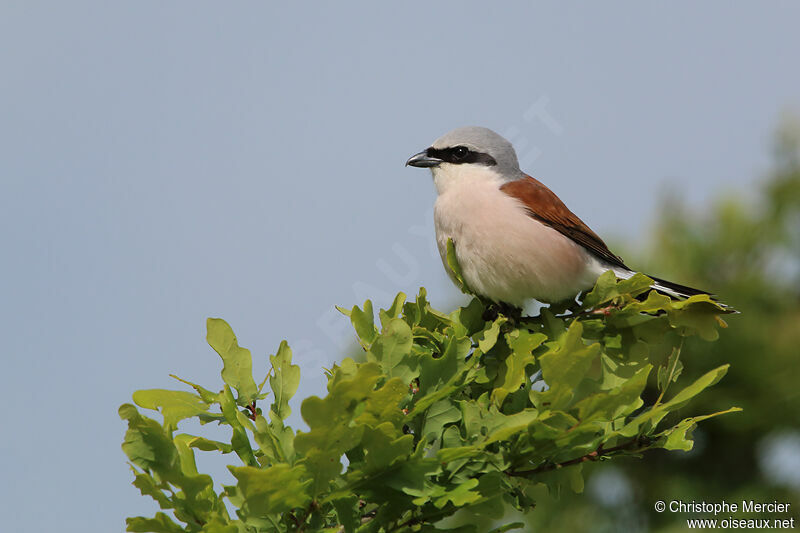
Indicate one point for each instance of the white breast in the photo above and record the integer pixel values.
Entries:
(504, 254)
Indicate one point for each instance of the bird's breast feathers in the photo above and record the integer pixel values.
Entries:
(504, 253)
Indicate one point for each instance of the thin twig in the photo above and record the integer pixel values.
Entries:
(253, 412)
(591, 456)
(302, 525)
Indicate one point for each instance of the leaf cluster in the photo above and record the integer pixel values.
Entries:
(476, 409)
(746, 248)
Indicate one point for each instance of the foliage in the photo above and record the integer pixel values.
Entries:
(475, 409)
(747, 250)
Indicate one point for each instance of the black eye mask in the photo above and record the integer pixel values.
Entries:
(459, 155)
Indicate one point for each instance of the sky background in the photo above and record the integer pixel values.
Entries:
(161, 163)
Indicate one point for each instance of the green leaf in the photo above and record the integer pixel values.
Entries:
(394, 310)
(208, 445)
(383, 405)
(459, 495)
(147, 444)
(508, 527)
(679, 436)
(219, 526)
(364, 323)
(186, 455)
(454, 269)
(436, 370)
(147, 486)
(488, 337)
(503, 427)
(383, 447)
(274, 440)
(653, 416)
(492, 486)
(565, 367)
(392, 350)
(469, 320)
(442, 376)
(524, 342)
(273, 490)
(698, 314)
(621, 401)
(206, 395)
(237, 371)
(702, 383)
(239, 440)
(329, 420)
(437, 416)
(284, 380)
(161, 523)
(449, 455)
(347, 512)
(173, 405)
(512, 374)
(607, 288)
(670, 371)
(552, 326)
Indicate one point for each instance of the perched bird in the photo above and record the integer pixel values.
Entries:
(514, 239)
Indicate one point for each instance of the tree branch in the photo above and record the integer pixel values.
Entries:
(639, 444)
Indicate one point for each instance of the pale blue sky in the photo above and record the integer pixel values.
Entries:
(164, 162)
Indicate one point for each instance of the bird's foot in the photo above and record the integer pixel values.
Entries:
(490, 313)
(497, 309)
(491, 309)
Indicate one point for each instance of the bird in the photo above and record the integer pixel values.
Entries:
(513, 238)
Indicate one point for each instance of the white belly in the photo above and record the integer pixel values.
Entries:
(504, 254)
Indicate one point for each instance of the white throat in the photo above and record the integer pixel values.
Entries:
(448, 177)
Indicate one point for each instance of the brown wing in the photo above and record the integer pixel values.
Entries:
(547, 208)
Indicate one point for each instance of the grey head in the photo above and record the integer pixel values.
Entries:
(470, 145)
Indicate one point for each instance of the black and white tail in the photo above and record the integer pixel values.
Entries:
(676, 290)
(673, 290)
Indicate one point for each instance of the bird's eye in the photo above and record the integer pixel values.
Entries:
(460, 152)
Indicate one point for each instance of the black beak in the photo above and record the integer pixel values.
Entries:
(422, 160)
